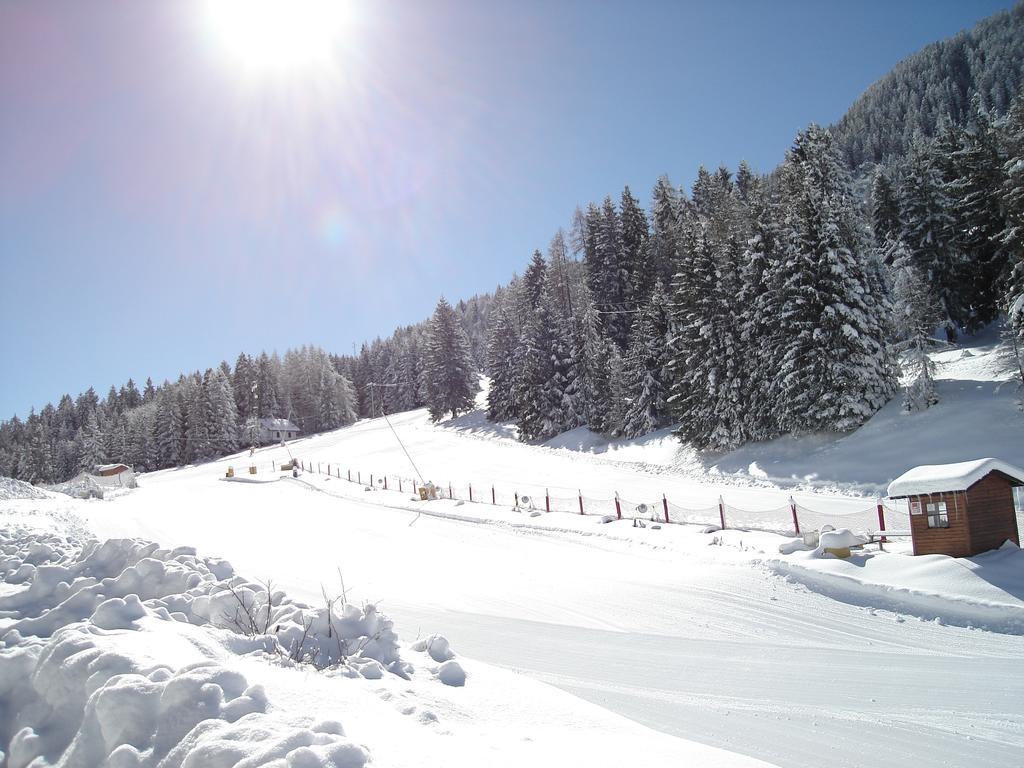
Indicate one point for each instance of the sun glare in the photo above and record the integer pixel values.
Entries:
(278, 35)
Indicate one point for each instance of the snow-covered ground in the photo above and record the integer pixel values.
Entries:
(695, 635)
(125, 654)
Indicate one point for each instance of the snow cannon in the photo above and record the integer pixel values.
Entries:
(525, 502)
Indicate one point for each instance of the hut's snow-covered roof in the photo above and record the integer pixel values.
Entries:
(936, 478)
(283, 425)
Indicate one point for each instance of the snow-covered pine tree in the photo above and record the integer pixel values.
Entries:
(917, 313)
(635, 270)
(502, 358)
(928, 232)
(646, 367)
(223, 414)
(165, 429)
(39, 466)
(197, 420)
(977, 177)
(242, 381)
(709, 396)
(600, 372)
(886, 222)
(90, 451)
(1011, 133)
(835, 365)
(758, 300)
(451, 378)
(606, 276)
(664, 241)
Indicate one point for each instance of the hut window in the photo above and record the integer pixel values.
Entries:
(937, 517)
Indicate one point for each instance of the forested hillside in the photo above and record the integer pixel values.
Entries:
(742, 308)
(935, 86)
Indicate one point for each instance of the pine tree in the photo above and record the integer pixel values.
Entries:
(974, 185)
(502, 361)
(647, 367)
(917, 313)
(167, 430)
(835, 365)
(451, 379)
(223, 414)
(929, 235)
(886, 222)
(635, 270)
(665, 220)
(90, 452)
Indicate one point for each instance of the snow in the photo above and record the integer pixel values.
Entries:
(840, 539)
(554, 627)
(18, 489)
(124, 654)
(936, 478)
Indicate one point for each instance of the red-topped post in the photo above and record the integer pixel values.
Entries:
(881, 521)
(618, 507)
(796, 520)
(664, 503)
(721, 511)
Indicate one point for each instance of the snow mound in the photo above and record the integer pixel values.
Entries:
(844, 537)
(437, 646)
(451, 673)
(17, 489)
(118, 654)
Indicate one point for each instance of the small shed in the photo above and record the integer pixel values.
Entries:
(276, 430)
(109, 470)
(960, 509)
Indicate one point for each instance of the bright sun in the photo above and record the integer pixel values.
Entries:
(278, 35)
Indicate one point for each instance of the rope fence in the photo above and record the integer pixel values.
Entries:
(791, 519)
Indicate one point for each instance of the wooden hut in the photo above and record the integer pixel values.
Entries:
(960, 509)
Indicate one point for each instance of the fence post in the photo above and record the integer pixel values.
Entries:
(881, 521)
(328, 469)
(450, 496)
(581, 500)
(547, 500)
(494, 499)
(359, 476)
(470, 493)
(349, 475)
(664, 503)
(385, 482)
(796, 520)
(721, 511)
(516, 494)
(618, 507)
(399, 483)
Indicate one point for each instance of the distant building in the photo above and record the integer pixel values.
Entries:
(109, 470)
(960, 509)
(276, 430)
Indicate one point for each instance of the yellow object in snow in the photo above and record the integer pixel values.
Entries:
(252, 469)
(230, 472)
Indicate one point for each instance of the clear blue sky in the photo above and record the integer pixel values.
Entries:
(163, 206)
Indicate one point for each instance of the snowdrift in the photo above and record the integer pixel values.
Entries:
(114, 654)
(17, 489)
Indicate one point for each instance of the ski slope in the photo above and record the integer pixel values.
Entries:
(702, 636)
(713, 638)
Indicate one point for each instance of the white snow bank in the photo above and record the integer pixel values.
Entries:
(985, 591)
(17, 489)
(109, 656)
(936, 478)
